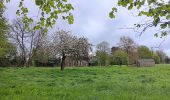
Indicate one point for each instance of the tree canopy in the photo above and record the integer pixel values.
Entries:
(3, 31)
(144, 52)
(50, 11)
(120, 57)
(157, 10)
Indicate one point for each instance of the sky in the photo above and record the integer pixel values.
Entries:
(92, 21)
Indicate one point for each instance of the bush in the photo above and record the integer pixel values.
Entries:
(156, 58)
(49, 63)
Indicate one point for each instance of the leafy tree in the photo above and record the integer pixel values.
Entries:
(9, 56)
(44, 53)
(102, 53)
(156, 58)
(81, 49)
(102, 58)
(93, 60)
(129, 46)
(68, 46)
(167, 60)
(161, 55)
(120, 57)
(7, 49)
(3, 31)
(63, 45)
(144, 52)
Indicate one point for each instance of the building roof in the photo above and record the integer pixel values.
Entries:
(145, 60)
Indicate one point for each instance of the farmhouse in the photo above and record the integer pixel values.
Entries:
(145, 63)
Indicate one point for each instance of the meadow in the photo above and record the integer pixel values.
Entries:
(85, 83)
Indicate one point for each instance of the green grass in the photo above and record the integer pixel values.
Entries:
(87, 83)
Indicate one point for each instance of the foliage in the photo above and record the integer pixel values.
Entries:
(81, 48)
(102, 53)
(7, 49)
(3, 32)
(67, 45)
(43, 54)
(102, 58)
(144, 52)
(162, 55)
(157, 10)
(156, 58)
(8, 59)
(50, 62)
(93, 61)
(120, 57)
(130, 47)
(50, 11)
(61, 46)
(167, 60)
(87, 83)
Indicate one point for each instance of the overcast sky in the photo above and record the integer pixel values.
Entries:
(92, 21)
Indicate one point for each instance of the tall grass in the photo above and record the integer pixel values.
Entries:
(87, 83)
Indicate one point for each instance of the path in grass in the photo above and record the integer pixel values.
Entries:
(89, 83)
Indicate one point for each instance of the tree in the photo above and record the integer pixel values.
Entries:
(63, 43)
(3, 31)
(44, 53)
(144, 52)
(129, 46)
(7, 49)
(68, 46)
(167, 60)
(120, 57)
(103, 58)
(102, 53)
(26, 40)
(157, 10)
(81, 50)
(9, 56)
(161, 55)
(156, 58)
(103, 46)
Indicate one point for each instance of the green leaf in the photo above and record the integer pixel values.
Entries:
(163, 34)
(114, 9)
(20, 4)
(71, 19)
(163, 26)
(168, 17)
(38, 2)
(18, 12)
(42, 21)
(130, 7)
(111, 15)
(156, 34)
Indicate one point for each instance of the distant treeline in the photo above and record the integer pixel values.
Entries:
(22, 47)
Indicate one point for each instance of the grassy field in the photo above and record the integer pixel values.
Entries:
(88, 83)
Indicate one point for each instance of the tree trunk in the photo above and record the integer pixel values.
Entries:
(29, 62)
(63, 61)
